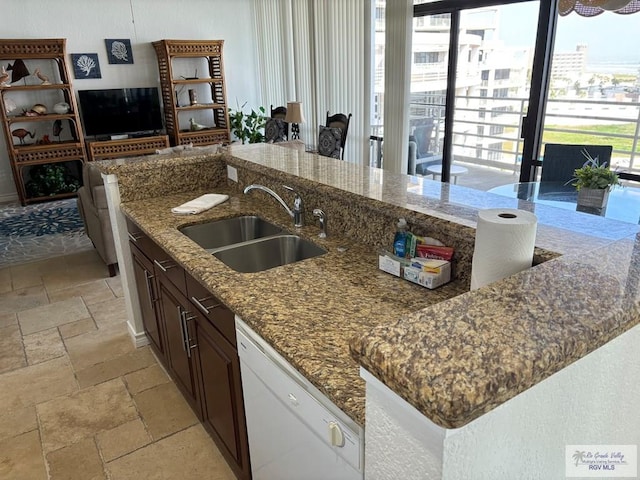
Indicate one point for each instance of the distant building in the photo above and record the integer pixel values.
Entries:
(569, 65)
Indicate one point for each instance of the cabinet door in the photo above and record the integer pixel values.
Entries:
(145, 284)
(179, 341)
(221, 397)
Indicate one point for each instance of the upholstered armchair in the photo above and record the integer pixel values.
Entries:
(92, 205)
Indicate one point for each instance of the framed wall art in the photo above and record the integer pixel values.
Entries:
(119, 50)
(85, 65)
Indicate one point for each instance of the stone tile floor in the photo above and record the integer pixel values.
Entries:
(77, 400)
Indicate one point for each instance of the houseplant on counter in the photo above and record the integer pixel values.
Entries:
(594, 181)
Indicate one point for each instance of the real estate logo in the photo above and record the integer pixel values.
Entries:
(601, 461)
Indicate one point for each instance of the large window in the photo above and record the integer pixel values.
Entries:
(427, 57)
(502, 74)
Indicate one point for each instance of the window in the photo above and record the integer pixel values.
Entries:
(501, 74)
(497, 111)
(495, 152)
(501, 93)
(426, 57)
(485, 74)
(496, 130)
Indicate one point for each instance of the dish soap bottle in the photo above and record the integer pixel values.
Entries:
(400, 239)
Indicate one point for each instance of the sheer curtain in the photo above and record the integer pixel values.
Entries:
(318, 52)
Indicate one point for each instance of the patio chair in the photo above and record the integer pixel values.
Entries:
(560, 160)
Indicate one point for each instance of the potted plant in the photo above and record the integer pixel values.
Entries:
(247, 127)
(594, 181)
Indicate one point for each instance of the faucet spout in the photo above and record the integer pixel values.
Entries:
(297, 213)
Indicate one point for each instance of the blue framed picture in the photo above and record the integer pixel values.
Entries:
(119, 50)
(86, 65)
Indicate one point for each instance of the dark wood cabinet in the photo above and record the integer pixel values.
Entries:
(194, 336)
(146, 287)
(221, 394)
(179, 340)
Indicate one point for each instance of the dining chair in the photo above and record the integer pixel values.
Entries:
(560, 160)
(278, 112)
(330, 142)
(275, 128)
(341, 121)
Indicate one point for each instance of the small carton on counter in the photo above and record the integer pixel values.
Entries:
(429, 273)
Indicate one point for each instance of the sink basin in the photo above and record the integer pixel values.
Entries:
(260, 255)
(221, 233)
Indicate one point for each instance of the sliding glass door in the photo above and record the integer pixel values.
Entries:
(475, 88)
(594, 91)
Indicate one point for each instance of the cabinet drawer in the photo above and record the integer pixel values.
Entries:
(162, 260)
(212, 309)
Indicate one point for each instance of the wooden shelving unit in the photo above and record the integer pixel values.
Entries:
(48, 55)
(210, 108)
(131, 147)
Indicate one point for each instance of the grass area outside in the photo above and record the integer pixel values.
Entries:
(583, 135)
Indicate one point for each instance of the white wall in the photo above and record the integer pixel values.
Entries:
(87, 23)
(593, 401)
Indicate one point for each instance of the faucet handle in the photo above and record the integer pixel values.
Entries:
(291, 189)
(298, 208)
(323, 221)
(297, 200)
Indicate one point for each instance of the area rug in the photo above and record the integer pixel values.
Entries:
(40, 231)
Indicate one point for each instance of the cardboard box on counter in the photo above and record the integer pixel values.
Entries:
(430, 275)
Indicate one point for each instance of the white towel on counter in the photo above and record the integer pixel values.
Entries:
(200, 204)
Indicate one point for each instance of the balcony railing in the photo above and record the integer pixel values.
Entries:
(486, 131)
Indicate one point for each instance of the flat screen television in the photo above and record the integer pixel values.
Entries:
(118, 111)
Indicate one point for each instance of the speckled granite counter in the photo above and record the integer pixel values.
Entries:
(453, 355)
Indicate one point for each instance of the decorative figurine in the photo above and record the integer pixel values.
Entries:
(39, 109)
(61, 108)
(4, 78)
(18, 71)
(9, 105)
(42, 77)
(194, 127)
(21, 133)
(57, 129)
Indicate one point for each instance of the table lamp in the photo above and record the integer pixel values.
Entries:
(294, 117)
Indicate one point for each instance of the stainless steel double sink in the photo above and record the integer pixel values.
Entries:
(250, 244)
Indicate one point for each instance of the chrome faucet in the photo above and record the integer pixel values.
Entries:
(322, 217)
(297, 213)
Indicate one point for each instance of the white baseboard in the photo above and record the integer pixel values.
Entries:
(139, 338)
(8, 197)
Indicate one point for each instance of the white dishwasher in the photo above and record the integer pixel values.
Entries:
(295, 432)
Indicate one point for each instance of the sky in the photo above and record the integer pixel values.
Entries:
(611, 38)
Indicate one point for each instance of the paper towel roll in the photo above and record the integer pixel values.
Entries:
(504, 244)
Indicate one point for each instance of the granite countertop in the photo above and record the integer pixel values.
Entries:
(307, 310)
(452, 354)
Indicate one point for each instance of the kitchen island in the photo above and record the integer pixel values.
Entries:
(451, 354)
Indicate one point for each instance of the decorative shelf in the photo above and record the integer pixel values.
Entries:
(24, 156)
(213, 113)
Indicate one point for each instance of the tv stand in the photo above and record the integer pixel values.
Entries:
(130, 147)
